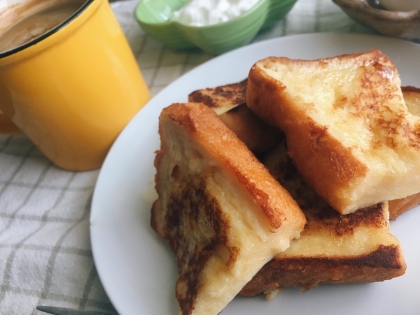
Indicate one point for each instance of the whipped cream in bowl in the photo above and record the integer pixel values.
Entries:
(214, 26)
(211, 12)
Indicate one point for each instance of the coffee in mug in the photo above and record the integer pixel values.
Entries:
(25, 22)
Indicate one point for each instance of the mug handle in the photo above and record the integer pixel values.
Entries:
(6, 126)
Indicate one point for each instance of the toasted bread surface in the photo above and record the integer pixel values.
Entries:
(348, 130)
(399, 206)
(228, 101)
(221, 212)
(221, 98)
(333, 248)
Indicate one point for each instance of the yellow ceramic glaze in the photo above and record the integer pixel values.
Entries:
(73, 92)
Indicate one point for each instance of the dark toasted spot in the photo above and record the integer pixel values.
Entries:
(384, 257)
(410, 89)
(195, 228)
(382, 264)
(202, 98)
(375, 92)
(317, 133)
(176, 173)
(345, 224)
(233, 94)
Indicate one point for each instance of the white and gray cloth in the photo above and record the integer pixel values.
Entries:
(45, 252)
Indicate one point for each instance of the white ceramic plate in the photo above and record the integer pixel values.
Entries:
(135, 266)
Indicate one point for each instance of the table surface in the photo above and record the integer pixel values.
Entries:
(45, 252)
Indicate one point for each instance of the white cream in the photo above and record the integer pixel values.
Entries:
(210, 12)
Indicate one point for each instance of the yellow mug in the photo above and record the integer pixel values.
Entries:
(73, 89)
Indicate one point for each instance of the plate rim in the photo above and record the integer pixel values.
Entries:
(146, 110)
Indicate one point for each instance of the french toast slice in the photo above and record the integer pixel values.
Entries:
(333, 248)
(218, 208)
(228, 101)
(398, 206)
(378, 260)
(348, 130)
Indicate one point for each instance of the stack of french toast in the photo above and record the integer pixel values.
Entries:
(288, 178)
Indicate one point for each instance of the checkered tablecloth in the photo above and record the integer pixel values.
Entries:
(45, 253)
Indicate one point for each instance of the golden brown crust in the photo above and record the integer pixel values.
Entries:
(215, 199)
(209, 130)
(310, 272)
(310, 145)
(221, 98)
(228, 101)
(410, 89)
(319, 214)
(305, 267)
(399, 206)
(334, 169)
(212, 220)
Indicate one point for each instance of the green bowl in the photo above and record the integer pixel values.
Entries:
(154, 17)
